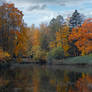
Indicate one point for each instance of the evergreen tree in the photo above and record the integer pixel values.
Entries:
(54, 26)
(76, 19)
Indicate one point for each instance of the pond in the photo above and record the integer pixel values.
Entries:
(46, 78)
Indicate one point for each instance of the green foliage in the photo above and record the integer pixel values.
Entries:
(54, 26)
(56, 53)
(90, 54)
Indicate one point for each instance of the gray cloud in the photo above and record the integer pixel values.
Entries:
(52, 1)
(37, 7)
(36, 4)
(31, 5)
(58, 2)
(37, 11)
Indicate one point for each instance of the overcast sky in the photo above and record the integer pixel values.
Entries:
(38, 11)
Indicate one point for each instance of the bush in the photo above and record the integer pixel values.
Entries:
(90, 54)
(56, 53)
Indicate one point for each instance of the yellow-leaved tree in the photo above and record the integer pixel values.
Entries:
(62, 39)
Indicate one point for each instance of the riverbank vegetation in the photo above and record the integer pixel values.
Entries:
(60, 38)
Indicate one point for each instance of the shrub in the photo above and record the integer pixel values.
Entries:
(90, 54)
(56, 53)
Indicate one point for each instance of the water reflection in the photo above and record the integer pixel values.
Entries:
(43, 79)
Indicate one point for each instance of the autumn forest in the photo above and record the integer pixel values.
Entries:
(55, 56)
(59, 39)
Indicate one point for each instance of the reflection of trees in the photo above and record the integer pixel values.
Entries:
(60, 81)
(20, 80)
(35, 80)
(15, 81)
(38, 79)
(62, 86)
(83, 84)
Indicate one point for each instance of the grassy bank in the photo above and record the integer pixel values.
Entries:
(78, 60)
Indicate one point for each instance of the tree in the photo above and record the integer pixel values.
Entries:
(57, 23)
(82, 37)
(56, 53)
(75, 20)
(36, 48)
(36, 37)
(62, 39)
(11, 21)
(44, 41)
(65, 42)
(22, 45)
(58, 39)
(54, 26)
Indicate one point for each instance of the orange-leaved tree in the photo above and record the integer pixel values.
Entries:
(82, 37)
(11, 20)
(22, 45)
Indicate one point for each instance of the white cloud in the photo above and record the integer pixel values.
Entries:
(38, 15)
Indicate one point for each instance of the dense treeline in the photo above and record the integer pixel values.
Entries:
(61, 38)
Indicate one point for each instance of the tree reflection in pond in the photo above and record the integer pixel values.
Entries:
(42, 79)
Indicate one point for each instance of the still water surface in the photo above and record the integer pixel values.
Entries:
(36, 78)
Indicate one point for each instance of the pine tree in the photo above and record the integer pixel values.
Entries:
(75, 20)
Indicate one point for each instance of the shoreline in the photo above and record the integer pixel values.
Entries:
(72, 61)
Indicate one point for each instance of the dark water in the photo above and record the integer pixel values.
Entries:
(36, 78)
